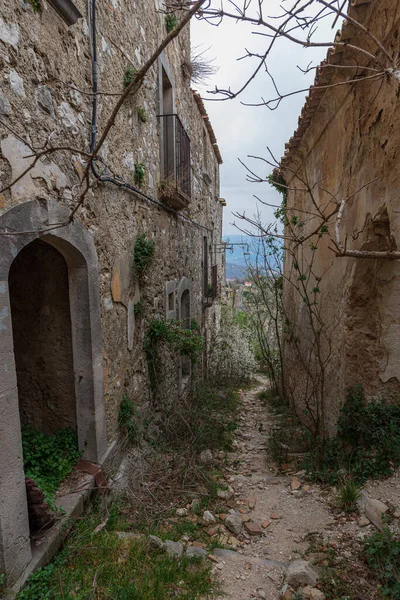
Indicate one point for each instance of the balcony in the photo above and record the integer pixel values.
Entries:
(175, 188)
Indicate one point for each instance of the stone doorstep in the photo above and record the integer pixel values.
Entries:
(73, 505)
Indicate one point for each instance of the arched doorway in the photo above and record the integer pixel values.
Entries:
(42, 336)
(64, 316)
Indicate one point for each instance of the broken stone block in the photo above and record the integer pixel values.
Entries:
(253, 528)
(234, 522)
(301, 572)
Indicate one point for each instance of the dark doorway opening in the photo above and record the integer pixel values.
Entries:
(42, 336)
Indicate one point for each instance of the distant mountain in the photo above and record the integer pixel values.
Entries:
(235, 271)
(241, 252)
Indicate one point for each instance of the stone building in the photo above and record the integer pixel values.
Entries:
(71, 332)
(343, 160)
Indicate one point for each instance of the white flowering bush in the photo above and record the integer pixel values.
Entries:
(231, 353)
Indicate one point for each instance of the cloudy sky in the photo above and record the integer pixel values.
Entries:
(243, 130)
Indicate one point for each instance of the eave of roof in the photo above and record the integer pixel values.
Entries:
(324, 76)
(207, 122)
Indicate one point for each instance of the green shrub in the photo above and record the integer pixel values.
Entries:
(348, 495)
(129, 75)
(170, 22)
(36, 4)
(140, 173)
(143, 253)
(49, 459)
(142, 116)
(186, 342)
(382, 554)
(367, 443)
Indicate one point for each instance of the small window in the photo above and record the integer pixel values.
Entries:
(205, 266)
(214, 278)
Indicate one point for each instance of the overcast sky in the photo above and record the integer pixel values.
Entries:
(243, 130)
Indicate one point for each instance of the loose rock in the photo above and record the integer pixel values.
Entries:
(173, 548)
(226, 494)
(208, 517)
(206, 457)
(156, 542)
(193, 551)
(181, 512)
(301, 572)
(253, 528)
(311, 593)
(234, 522)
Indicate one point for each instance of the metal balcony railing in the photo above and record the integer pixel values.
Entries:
(176, 155)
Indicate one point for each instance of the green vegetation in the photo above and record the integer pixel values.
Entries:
(140, 173)
(186, 342)
(129, 418)
(170, 22)
(382, 554)
(348, 495)
(49, 459)
(104, 566)
(142, 116)
(367, 444)
(143, 253)
(213, 417)
(129, 75)
(36, 4)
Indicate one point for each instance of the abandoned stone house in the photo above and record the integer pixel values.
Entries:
(71, 339)
(345, 153)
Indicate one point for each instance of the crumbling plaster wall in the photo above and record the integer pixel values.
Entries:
(38, 52)
(353, 140)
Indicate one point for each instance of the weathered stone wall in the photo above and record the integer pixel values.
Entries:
(46, 97)
(45, 63)
(352, 140)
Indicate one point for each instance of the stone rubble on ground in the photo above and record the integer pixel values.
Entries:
(174, 548)
(234, 522)
(301, 572)
(208, 517)
(206, 457)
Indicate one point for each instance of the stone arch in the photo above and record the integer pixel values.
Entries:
(185, 285)
(184, 301)
(76, 245)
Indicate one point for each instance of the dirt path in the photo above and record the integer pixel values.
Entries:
(285, 517)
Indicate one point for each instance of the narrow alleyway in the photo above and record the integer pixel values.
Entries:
(276, 519)
(285, 518)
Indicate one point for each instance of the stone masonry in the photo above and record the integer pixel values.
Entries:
(347, 142)
(81, 348)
